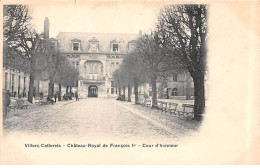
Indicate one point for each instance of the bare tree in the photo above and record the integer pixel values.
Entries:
(19, 35)
(186, 27)
(155, 59)
(134, 72)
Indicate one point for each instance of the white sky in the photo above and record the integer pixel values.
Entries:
(97, 17)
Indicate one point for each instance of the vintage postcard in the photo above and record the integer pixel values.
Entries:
(130, 82)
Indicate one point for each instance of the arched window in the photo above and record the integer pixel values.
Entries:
(174, 92)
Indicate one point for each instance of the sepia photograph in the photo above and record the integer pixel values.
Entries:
(116, 82)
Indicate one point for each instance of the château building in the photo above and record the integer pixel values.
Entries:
(96, 56)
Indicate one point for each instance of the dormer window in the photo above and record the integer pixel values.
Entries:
(75, 44)
(131, 45)
(115, 47)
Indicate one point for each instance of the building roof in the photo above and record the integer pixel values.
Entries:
(104, 39)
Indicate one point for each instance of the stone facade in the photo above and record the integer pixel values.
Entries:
(96, 56)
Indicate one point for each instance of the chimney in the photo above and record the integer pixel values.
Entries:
(140, 32)
(46, 28)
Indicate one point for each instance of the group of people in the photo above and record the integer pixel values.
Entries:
(6, 95)
(69, 96)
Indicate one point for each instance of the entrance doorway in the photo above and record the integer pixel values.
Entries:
(92, 91)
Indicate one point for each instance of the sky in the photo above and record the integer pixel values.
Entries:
(98, 17)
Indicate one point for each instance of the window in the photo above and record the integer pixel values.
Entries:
(19, 81)
(175, 77)
(112, 84)
(12, 79)
(75, 47)
(115, 47)
(150, 93)
(19, 84)
(174, 92)
(77, 65)
(6, 75)
(112, 90)
(112, 63)
(117, 56)
(24, 81)
(131, 46)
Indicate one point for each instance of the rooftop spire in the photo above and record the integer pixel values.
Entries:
(46, 28)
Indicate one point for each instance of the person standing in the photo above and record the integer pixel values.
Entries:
(55, 97)
(6, 102)
(77, 96)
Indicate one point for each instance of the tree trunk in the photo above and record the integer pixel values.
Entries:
(59, 96)
(50, 94)
(199, 94)
(136, 92)
(188, 91)
(67, 89)
(70, 89)
(31, 87)
(124, 98)
(119, 92)
(154, 93)
(129, 93)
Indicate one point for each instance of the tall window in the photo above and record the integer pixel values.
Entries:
(112, 90)
(6, 76)
(112, 67)
(175, 77)
(150, 93)
(115, 47)
(19, 84)
(12, 79)
(75, 47)
(112, 84)
(91, 68)
(12, 84)
(174, 92)
(24, 81)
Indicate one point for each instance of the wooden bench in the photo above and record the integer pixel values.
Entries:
(163, 106)
(12, 106)
(42, 101)
(188, 110)
(171, 108)
(20, 104)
